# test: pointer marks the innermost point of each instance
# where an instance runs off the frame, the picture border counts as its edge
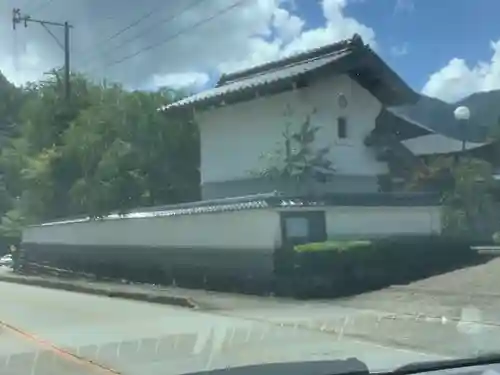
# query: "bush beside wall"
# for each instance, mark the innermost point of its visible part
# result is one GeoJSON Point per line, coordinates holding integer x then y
{"type": "Point", "coordinates": [359, 265]}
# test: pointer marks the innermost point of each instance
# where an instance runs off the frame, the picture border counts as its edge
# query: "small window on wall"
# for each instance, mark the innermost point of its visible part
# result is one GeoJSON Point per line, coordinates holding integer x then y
{"type": "Point", "coordinates": [303, 227]}
{"type": "Point", "coordinates": [297, 227]}
{"type": "Point", "coordinates": [341, 127]}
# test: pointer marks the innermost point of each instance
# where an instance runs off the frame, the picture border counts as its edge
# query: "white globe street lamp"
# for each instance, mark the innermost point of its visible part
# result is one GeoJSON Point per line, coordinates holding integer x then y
{"type": "Point", "coordinates": [462, 115]}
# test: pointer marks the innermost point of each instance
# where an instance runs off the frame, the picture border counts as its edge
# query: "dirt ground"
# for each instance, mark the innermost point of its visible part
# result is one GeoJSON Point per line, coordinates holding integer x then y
{"type": "Point", "coordinates": [446, 295]}
{"type": "Point", "coordinates": [455, 313]}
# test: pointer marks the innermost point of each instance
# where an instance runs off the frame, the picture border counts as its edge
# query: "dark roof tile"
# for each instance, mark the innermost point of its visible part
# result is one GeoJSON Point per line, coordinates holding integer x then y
{"type": "Point", "coordinates": [312, 54]}
{"type": "Point", "coordinates": [350, 56]}
{"type": "Point", "coordinates": [261, 79]}
{"type": "Point", "coordinates": [271, 201]}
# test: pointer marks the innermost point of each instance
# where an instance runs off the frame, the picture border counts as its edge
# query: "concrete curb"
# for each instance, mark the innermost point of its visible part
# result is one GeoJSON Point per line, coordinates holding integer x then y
{"type": "Point", "coordinates": [442, 292]}
{"type": "Point", "coordinates": [101, 291]}
{"type": "Point", "coordinates": [487, 250]}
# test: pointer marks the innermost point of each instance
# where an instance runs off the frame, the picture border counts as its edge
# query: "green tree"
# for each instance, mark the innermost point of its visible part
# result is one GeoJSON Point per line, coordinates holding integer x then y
{"type": "Point", "coordinates": [130, 154]}
{"type": "Point", "coordinates": [11, 99]}
{"type": "Point", "coordinates": [108, 149]}
{"type": "Point", "coordinates": [38, 173]}
{"type": "Point", "coordinates": [466, 187]}
{"type": "Point", "coordinates": [297, 159]}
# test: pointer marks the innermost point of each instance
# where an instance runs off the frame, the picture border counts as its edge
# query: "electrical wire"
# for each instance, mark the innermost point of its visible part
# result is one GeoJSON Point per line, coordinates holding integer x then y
{"type": "Point", "coordinates": [172, 37]}
{"type": "Point", "coordinates": [153, 26]}
{"type": "Point", "coordinates": [41, 4]}
{"type": "Point", "coordinates": [132, 25]}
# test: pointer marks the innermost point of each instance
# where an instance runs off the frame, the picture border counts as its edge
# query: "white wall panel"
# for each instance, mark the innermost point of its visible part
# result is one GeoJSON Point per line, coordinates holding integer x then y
{"type": "Point", "coordinates": [234, 137]}
{"type": "Point", "coordinates": [249, 229]}
{"type": "Point", "coordinates": [382, 221]}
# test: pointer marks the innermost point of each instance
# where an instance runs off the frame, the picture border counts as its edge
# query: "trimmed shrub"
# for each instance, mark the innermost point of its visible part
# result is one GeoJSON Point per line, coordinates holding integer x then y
{"type": "Point", "coordinates": [337, 246]}
{"type": "Point", "coordinates": [358, 265]}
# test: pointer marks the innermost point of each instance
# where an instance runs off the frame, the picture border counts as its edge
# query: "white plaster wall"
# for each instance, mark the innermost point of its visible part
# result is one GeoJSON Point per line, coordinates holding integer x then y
{"type": "Point", "coordinates": [234, 137]}
{"type": "Point", "coordinates": [382, 221]}
{"type": "Point", "coordinates": [250, 229]}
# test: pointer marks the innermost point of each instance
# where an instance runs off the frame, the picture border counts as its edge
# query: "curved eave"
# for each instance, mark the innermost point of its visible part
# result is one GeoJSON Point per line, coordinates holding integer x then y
{"type": "Point", "coordinates": [234, 97]}
{"type": "Point", "coordinates": [362, 65]}
{"type": "Point", "coordinates": [264, 84]}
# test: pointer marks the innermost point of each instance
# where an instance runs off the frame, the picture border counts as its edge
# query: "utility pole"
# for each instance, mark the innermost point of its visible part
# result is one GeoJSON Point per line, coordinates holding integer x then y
{"type": "Point", "coordinates": [18, 18]}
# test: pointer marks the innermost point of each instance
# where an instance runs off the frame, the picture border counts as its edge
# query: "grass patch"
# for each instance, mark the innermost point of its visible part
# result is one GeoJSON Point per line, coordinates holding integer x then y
{"type": "Point", "coordinates": [336, 246]}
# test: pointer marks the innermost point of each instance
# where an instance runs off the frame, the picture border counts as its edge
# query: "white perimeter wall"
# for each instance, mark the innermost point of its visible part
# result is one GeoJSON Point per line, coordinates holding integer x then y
{"type": "Point", "coordinates": [250, 229]}
{"type": "Point", "coordinates": [382, 221]}
{"type": "Point", "coordinates": [234, 137]}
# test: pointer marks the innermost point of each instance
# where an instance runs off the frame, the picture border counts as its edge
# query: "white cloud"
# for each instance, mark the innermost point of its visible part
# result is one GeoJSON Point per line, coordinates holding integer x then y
{"type": "Point", "coordinates": [399, 51]}
{"type": "Point", "coordinates": [407, 6]}
{"type": "Point", "coordinates": [255, 32]}
{"type": "Point", "coordinates": [457, 80]}
{"type": "Point", "coordinates": [23, 67]}
{"type": "Point", "coordinates": [194, 80]}
{"type": "Point", "coordinates": [337, 27]}
{"type": "Point", "coordinates": [288, 26]}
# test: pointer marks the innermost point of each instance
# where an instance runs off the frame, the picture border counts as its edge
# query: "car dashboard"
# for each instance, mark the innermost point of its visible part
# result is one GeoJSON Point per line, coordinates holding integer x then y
{"type": "Point", "coordinates": [345, 368]}
{"type": "Point", "coordinates": [490, 369]}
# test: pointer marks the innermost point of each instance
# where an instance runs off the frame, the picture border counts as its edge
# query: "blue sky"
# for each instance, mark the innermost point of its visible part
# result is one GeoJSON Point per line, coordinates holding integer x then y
{"type": "Point", "coordinates": [447, 49]}
{"type": "Point", "coordinates": [431, 31]}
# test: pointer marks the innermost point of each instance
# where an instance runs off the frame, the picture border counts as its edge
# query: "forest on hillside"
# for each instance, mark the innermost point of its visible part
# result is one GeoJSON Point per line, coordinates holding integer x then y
{"type": "Point", "coordinates": [106, 150]}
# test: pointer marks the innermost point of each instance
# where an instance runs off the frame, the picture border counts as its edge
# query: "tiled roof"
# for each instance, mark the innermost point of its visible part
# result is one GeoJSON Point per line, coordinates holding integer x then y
{"type": "Point", "coordinates": [349, 44]}
{"type": "Point", "coordinates": [402, 116]}
{"type": "Point", "coordinates": [262, 79]}
{"type": "Point", "coordinates": [435, 144]}
{"type": "Point", "coordinates": [360, 61]}
{"type": "Point", "coordinates": [272, 200]}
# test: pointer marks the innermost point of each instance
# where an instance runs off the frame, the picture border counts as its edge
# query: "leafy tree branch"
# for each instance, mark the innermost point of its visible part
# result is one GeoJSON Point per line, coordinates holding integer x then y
{"type": "Point", "coordinates": [296, 158]}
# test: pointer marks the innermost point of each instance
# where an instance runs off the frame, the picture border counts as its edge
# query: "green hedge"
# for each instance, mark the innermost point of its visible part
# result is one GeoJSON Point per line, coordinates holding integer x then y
{"type": "Point", "coordinates": [366, 264]}
{"type": "Point", "coordinates": [388, 253]}
{"type": "Point", "coordinates": [336, 246]}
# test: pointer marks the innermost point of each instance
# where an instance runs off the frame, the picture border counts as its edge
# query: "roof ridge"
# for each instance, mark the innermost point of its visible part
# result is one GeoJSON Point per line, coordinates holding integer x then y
{"type": "Point", "coordinates": [292, 64]}
{"type": "Point", "coordinates": [355, 41]}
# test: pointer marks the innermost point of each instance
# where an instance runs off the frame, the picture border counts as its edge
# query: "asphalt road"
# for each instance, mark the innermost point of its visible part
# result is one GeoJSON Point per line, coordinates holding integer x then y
{"type": "Point", "coordinates": [51, 332]}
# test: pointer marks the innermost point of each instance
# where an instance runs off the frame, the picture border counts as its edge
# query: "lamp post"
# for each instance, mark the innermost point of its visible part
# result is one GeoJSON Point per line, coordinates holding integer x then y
{"type": "Point", "coordinates": [462, 115]}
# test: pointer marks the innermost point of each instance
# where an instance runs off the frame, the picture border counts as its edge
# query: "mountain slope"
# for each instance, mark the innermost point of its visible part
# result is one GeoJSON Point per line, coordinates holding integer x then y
{"type": "Point", "coordinates": [438, 115]}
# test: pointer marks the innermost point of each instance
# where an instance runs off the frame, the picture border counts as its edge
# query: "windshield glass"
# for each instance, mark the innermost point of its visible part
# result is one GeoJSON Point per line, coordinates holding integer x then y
{"type": "Point", "coordinates": [195, 185]}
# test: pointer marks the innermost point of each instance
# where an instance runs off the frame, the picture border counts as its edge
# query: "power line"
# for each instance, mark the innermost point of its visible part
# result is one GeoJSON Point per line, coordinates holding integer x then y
{"type": "Point", "coordinates": [24, 19]}
{"type": "Point", "coordinates": [155, 25]}
{"type": "Point", "coordinates": [41, 4]}
{"type": "Point", "coordinates": [171, 37]}
{"type": "Point", "coordinates": [133, 24]}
